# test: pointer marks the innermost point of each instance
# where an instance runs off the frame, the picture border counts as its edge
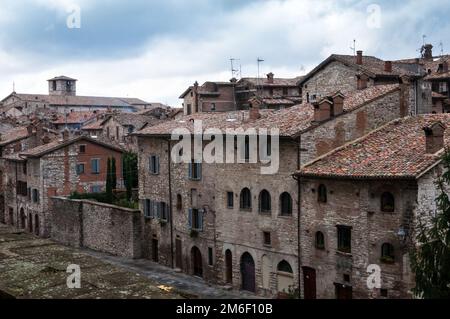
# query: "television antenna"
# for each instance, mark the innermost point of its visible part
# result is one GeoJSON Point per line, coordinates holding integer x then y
{"type": "Point", "coordinates": [441, 45]}
{"type": "Point", "coordinates": [354, 47]}
{"type": "Point", "coordinates": [258, 84]}
{"type": "Point", "coordinates": [235, 73]}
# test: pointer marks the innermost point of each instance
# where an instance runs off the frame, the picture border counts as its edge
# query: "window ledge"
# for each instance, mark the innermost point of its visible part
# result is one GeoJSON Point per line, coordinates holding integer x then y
{"type": "Point", "coordinates": [266, 213]}
{"type": "Point", "coordinates": [285, 216]}
{"type": "Point", "coordinates": [344, 254]}
{"type": "Point", "coordinates": [246, 209]}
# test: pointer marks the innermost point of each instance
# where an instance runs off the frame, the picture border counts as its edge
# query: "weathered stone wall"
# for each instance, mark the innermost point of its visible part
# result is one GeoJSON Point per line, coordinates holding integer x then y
{"type": "Point", "coordinates": [356, 204]}
{"type": "Point", "coordinates": [97, 226]}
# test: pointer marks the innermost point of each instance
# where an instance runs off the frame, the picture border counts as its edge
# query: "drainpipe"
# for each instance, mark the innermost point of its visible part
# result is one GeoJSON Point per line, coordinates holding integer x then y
{"type": "Point", "coordinates": [170, 204]}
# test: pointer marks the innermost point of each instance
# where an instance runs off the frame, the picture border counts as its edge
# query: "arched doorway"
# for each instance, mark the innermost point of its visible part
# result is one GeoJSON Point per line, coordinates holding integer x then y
{"type": "Point", "coordinates": [23, 218]}
{"type": "Point", "coordinates": [36, 224]}
{"type": "Point", "coordinates": [285, 277]}
{"type": "Point", "coordinates": [229, 266]}
{"type": "Point", "coordinates": [197, 263]}
{"type": "Point", "coordinates": [30, 222]}
{"type": "Point", "coordinates": [248, 272]}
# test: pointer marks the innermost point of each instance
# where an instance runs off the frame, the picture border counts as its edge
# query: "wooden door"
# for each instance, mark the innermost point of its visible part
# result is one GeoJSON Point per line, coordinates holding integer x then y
{"type": "Point", "coordinates": [343, 291]}
{"type": "Point", "coordinates": [155, 256]}
{"type": "Point", "coordinates": [228, 266]}
{"type": "Point", "coordinates": [248, 273]}
{"type": "Point", "coordinates": [179, 254]}
{"type": "Point", "coordinates": [197, 261]}
{"type": "Point", "coordinates": [309, 283]}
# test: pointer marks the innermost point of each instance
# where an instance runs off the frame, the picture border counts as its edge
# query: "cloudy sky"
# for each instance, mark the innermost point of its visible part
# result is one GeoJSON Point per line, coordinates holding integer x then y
{"type": "Point", "coordinates": [154, 49]}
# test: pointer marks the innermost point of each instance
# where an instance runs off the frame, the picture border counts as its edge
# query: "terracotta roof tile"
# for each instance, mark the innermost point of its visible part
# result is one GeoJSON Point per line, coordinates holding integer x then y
{"type": "Point", "coordinates": [14, 135]}
{"type": "Point", "coordinates": [396, 150]}
{"type": "Point", "coordinates": [290, 121]}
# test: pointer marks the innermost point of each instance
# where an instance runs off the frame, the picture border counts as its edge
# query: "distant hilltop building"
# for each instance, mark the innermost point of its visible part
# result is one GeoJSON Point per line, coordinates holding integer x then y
{"type": "Point", "coordinates": [62, 98]}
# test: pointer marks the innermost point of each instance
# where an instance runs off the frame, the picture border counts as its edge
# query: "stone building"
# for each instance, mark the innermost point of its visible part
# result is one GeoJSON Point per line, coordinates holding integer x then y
{"type": "Point", "coordinates": [275, 93]}
{"type": "Point", "coordinates": [57, 168]}
{"type": "Point", "coordinates": [62, 98]}
{"type": "Point", "coordinates": [359, 206]}
{"type": "Point", "coordinates": [349, 73]}
{"type": "Point", "coordinates": [228, 223]}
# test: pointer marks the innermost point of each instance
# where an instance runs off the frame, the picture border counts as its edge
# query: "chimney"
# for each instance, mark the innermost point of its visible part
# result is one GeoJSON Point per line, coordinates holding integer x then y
{"type": "Point", "coordinates": [322, 110]}
{"type": "Point", "coordinates": [338, 104]}
{"type": "Point", "coordinates": [434, 137]}
{"type": "Point", "coordinates": [233, 80]}
{"type": "Point", "coordinates": [270, 77]}
{"type": "Point", "coordinates": [359, 58]}
{"type": "Point", "coordinates": [30, 129]}
{"type": "Point", "coordinates": [362, 80]}
{"type": "Point", "coordinates": [427, 52]}
{"type": "Point", "coordinates": [445, 66]}
{"type": "Point", "coordinates": [45, 139]}
{"type": "Point", "coordinates": [388, 66]}
{"type": "Point", "coordinates": [65, 134]}
{"type": "Point", "coordinates": [254, 109]}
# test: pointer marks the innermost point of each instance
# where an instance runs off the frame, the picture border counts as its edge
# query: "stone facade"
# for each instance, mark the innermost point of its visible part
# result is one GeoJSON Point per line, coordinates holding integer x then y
{"type": "Point", "coordinates": [234, 236]}
{"type": "Point", "coordinates": [101, 227]}
{"type": "Point", "coordinates": [52, 174]}
{"type": "Point", "coordinates": [356, 204]}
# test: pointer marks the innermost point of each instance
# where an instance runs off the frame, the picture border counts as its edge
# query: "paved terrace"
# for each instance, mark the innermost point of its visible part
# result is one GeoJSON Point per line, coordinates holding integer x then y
{"type": "Point", "coordinates": [32, 267]}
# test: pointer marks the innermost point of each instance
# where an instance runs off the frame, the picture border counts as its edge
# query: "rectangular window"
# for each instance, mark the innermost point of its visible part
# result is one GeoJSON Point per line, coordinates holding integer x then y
{"type": "Point", "coordinates": [148, 208]}
{"type": "Point", "coordinates": [267, 239]}
{"type": "Point", "coordinates": [195, 171]}
{"type": "Point", "coordinates": [210, 256]}
{"type": "Point", "coordinates": [82, 148]}
{"type": "Point", "coordinates": [195, 219]}
{"type": "Point", "coordinates": [285, 92]}
{"type": "Point", "coordinates": [153, 164]}
{"type": "Point", "coordinates": [24, 168]}
{"type": "Point", "coordinates": [96, 189]}
{"type": "Point", "coordinates": [95, 166]}
{"type": "Point", "coordinates": [230, 199]}
{"type": "Point", "coordinates": [117, 132]}
{"type": "Point", "coordinates": [344, 239]}
{"type": "Point", "coordinates": [35, 195]}
{"type": "Point", "coordinates": [80, 169]}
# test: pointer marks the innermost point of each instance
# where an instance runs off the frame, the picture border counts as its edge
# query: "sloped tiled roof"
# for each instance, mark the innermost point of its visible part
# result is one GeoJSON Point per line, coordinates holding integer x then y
{"type": "Point", "coordinates": [276, 81]}
{"type": "Point", "coordinates": [75, 117]}
{"type": "Point", "coordinates": [13, 135]}
{"type": "Point", "coordinates": [55, 145]}
{"type": "Point", "coordinates": [396, 150]}
{"type": "Point", "coordinates": [290, 121]}
{"type": "Point", "coordinates": [370, 64]}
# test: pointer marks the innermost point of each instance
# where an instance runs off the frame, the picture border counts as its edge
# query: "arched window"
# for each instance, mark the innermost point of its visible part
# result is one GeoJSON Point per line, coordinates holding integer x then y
{"type": "Point", "coordinates": [286, 204]}
{"type": "Point", "coordinates": [322, 194]}
{"type": "Point", "coordinates": [284, 267]}
{"type": "Point", "coordinates": [387, 252]}
{"type": "Point", "coordinates": [387, 202]}
{"type": "Point", "coordinates": [179, 202]}
{"type": "Point", "coordinates": [265, 204]}
{"type": "Point", "coordinates": [246, 199]}
{"type": "Point", "coordinates": [320, 240]}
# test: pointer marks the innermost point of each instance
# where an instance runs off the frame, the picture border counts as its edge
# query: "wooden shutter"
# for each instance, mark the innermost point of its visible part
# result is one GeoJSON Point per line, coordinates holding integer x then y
{"type": "Point", "coordinates": [190, 170]}
{"type": "Point", "coordinates": [157, 164]}
{"type": "Point", "coordinates": [190, 218]}
{"type": "Point", "coordinates": [200, 214]}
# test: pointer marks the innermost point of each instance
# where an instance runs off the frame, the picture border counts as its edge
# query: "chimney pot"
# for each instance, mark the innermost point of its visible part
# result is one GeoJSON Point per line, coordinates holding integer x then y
{"type": "Point", "coordinates": [359, 57]}
{"type": "Point", "coordinates": [434, 138]}
{"type": "Point", "coordinates": [388, 66]}
{"type": "Point", "coordinates": [270, 77]}
{"type": "Point", "coordinates": [338, 104]}
{"type": "Point", "coordinates": [254, 109]}
{"type": "Point", "coordinates": [322, 110]}
{"type": "Point", "coordinates": [427, 52]}
{"type": "Point", "coordinates": [65, 134]}
{"type": "Point", "coordinates": [362, 82]}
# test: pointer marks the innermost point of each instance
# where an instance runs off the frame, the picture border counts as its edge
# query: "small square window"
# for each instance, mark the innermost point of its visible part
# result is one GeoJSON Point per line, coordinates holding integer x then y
{"type": "Point", "coordinates": [230, 199]}
{"type": "Point", "coordinates": [82, 148]}
{"type": "Point", "coordinates": [347, 278]}
{"type": "Point", "coordinates": [344, 239]}
{"type": "Point", "coordinates": [384, 293]}
{"type": "Point", "coordinates": [267, 239]}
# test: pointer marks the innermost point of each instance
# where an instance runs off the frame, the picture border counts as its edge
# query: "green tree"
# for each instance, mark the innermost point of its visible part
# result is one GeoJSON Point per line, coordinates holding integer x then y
{"type": "Point", "coordinates": [113, 173]}
{"type": "Point", "coordinates": [130, 172]}
{"type": "Point", "coordinates": [430, 260]}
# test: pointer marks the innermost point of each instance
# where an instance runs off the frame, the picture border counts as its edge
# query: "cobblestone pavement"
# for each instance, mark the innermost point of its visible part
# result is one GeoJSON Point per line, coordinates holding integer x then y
{"type": "Point", "coordinates": [36, 268]}
{"type": "Point", "coordinates": [186, 285]}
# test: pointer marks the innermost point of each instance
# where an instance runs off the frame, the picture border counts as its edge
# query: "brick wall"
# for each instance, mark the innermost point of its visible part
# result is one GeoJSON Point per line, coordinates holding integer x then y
{"type": "Point", "coordinates": [101, 227]}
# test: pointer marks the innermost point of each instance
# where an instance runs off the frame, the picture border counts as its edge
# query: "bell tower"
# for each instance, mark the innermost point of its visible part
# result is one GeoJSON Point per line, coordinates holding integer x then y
{"type": "Point", "coordinates": [62, 85]}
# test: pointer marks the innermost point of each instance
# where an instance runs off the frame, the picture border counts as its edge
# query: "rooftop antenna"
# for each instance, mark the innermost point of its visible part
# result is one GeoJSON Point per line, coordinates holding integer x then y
{"type": "Point", "coordinates": [234, 72]}
{"type": "Point", "coordinates": [441, 45]}
{"type": "Point", "coordinates": [424, 36]}
{"type": "Point", "coordinates": [14, 86]}
{"type": "Point", "coordinates": [354, 47]}
{"type": "Point", "coordinates": [259, 61]}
